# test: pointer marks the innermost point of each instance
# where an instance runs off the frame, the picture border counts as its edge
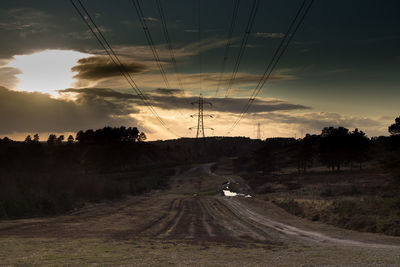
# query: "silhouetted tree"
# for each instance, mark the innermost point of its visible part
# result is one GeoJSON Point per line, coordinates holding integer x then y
{"type": "Point", "coordinates": [392, 163]}
{"type": "Point", "coordinates": [5, 140]}
{"type": "Point", "coordinates": [142, 137]}
{"type": "Point", "coordinates": [274, 154]}
{"type": "Point", "coordinates": [60, 139]}
{"type": "Point", "coordinates": [358, 147]}
{"type": "Point", "coordinates": [394, 129]}
{"type": "Point", "coordinates": [28, 139]}
{"type": "Point", "coordinates": [70, 139]}
{"type": "Point", "coordinates": [333, 148]}
{"type": "Point", "coordinates": [36, 138]}
{"type": "Point", "coordinates": [52, 139]}
{"type": "Point", "coordinates": [109, 135]}
{"type": "Point", "coordinates": [305, 152]}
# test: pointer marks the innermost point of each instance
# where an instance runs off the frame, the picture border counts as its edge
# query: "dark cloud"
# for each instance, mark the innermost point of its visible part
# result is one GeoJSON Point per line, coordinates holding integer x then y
{"type": "Point", "coordinates": [229, 105]}
{"type": "Point", "coordinates": [174, 101]}
{"type": "Point", "coordinates": [315, 121]}
{"type": "Point", "coordinates": [235, 105]}
{"type": "Point", "coordinates": [99, 92]}
{"type": "Point", "coordinates": [166, 91]}
{"type": "Point", "coordinates": [99, 67]}
{"type": "Point", "coordinates": [37, 112]}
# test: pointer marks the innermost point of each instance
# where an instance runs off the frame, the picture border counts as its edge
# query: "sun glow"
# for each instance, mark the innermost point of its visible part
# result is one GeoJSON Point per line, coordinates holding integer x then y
{"type": "Point", "coordinates": [46, 71]}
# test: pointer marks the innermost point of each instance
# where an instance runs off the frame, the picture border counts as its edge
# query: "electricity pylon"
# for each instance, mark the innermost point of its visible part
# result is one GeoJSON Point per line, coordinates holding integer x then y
{"type": "Point", "coordinates": [258, 131]}
{"type": "Point", "coordinates": [200, 117]}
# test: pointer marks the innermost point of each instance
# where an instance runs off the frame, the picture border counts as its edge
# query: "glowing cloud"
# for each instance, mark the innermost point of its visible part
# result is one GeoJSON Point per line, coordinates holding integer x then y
{"type": "Point", "coordinates": [46, 71]}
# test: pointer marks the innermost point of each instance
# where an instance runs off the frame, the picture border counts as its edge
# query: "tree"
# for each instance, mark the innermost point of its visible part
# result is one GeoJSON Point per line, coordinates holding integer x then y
{"type": "Point", "coordinates": [393, 161]}
{"type": "Point", "coordinates": [358, 147]}
{"type": "Point", "coordinates": [60, 139]}
{"type": "Point", "coordinates": [28, 139]}
{"type": "Point", "coordinates": [333, 147]}
{"type": "Point", "coordinates": [52, 139]}
{"type": "Point", "coordinates": [109, 135]}
{"type": "Point", "coordinates": [70, 139]}
{"type": "Point", "coordinates": [142, 137]}
{"type": "Point", "coordinates": [36, 138]}
{"type": "Point", "coordinates": [394, 129]}
{"type": "Point", "coordinates": [305, 152]}
{"type": "Point", "coordinates": [273, 155]}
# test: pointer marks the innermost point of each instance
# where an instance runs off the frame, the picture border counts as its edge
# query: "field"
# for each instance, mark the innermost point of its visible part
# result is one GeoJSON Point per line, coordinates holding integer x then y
{"type": "Point", "coordinates": [190, 223]}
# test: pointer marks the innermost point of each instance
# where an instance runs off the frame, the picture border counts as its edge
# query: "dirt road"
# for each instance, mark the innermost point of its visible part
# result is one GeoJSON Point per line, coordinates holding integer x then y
{"type": "Point", "coordinates": [191, 212]}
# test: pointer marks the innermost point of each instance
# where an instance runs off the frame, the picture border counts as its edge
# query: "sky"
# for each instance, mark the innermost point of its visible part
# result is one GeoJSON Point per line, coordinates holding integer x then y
{"type": "Point", "coordinates": [340, 69]}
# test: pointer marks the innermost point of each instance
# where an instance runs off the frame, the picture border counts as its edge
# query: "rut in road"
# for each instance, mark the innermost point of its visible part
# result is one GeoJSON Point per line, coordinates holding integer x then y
{"type": "Point", "coordinates": [206, 219]}
{"type": "Point", "coordinates": [226, 219]}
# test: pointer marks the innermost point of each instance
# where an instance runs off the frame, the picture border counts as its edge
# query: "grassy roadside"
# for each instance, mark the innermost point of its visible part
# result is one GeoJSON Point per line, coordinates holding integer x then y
{"type": "Point", "coordinates": [366, 214]}
{"type": "Point", "coordinates": [24, 200]}
{"type": "Point", "coordinates": [46, 252]}
{"type": "Point", "coordinates": [366, 201]}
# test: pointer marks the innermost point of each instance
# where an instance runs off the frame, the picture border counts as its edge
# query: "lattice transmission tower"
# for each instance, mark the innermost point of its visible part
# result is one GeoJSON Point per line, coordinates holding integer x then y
{"type": "Point", "coordinates": [200, 117]}
{"type": "Point", "coordinates": [258, 131]}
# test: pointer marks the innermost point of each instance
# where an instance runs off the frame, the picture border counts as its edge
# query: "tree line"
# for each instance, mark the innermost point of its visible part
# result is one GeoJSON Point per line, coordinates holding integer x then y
{"type": "Point", "coordinates": [40, 178]}
{"type": "Point", "coordinates": [50, 177]}
{"type": "Point", "coordinates": [333, 148]}
{"type": "Point", "coordinates": [104, 135]}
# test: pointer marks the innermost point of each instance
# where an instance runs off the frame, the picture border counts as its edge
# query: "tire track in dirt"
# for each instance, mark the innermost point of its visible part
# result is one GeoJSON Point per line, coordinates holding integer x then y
{"type": "Point", "coordinates": [241, 226]}
{"type": "Point", "coordinates": [159, 219]}
{"type": "Point", "coordinates": [162, 226]}
{"type": "Point", "coordinates": [186, 225]}
{"type": "Point", "coordinates": [207, 219]}
{"type": "Point", "coordinates": [294, 232]}
{"type": "Point", "coordinates": [233, 225]}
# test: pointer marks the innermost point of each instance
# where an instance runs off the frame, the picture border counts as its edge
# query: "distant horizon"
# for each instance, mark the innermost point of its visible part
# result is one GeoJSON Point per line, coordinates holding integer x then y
{"type": "Point", "coordinates": [22, 136]}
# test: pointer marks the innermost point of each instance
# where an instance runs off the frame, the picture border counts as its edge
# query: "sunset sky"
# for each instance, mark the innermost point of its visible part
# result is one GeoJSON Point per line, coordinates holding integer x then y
{"type": "Point", "coordinates": [342, 67]}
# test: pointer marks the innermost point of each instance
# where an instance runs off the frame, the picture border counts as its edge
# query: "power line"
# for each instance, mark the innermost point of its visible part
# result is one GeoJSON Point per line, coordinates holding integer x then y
{"type": "Point", "coordinates": [200, 116]}
{"type": "Point", "coordinates": [276, 57]}
{"type": "Point", "coordinates": [169, 43]}
{"type": "Point", "coordinates": [150, 42]}
{"type": "Point", "coordinates": [228, 42]}
{"type": "Point", "coordinates": [149, 39]}
{"type": "Point", "coordinates": [247, 32]}
{"type": "Point", "coordinates": [199, 50]}
{"type": "Point", "coordinates": [115, 59]}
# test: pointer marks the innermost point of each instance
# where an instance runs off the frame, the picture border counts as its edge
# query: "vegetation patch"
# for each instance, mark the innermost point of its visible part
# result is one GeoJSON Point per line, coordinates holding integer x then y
{"type": "Point", "coordinates": [41, 179]}
{"type": "Point", "coordinates": [371, 214]}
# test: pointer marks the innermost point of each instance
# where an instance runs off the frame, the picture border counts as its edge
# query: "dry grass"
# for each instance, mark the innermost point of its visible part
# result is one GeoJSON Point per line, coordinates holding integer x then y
{"type": "Point", "coordinates": [29, 251]}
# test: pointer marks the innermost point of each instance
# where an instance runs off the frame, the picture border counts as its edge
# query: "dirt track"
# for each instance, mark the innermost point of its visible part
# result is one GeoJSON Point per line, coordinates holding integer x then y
{"type": "Point", "coordinates": [180, 214]}
{"type": "Point", "coordinates": [190, 224]}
